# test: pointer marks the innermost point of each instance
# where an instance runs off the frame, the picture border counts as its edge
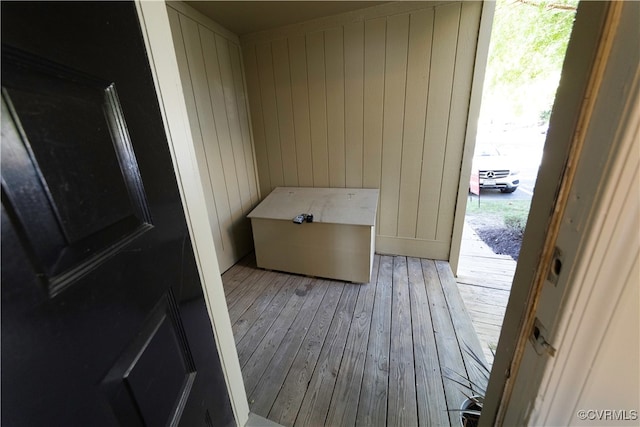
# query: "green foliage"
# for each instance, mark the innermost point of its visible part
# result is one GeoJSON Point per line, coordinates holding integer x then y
{"type": "Point", "coordinates": [474, 391]}
{"type": "Point", "coordinates": [513, 213]}
{"type": "Point", "coordinates": [528, 43]}
{"type": "Point", "coordinates": [515, 222]}
{"type": "Point", "coordinates": [499, 207]}
{"type": "Point", "coordinates": [545, 115]}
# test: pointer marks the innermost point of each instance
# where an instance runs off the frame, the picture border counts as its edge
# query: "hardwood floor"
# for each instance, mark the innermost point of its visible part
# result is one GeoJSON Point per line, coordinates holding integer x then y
{"type": "Point", "coordinates": [322, 352]}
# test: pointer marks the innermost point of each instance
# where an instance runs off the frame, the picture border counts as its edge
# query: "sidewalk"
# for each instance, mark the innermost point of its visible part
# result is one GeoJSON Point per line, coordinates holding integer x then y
{"type": "Point", "coordinates": [484, 280]}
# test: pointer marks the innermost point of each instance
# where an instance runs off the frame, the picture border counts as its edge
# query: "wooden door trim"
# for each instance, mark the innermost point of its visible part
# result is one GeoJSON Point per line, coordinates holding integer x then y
{"type": "Point", "coordinates": [154, 23]}
{"type": "Point", "coordinates": [497, 409]}
{"type": "Point", "coordinates": [610, 252]}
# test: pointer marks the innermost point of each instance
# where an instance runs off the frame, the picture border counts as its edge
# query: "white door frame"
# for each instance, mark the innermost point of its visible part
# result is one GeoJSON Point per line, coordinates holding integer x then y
{"type": "Point", "coordinates": [154, 23]}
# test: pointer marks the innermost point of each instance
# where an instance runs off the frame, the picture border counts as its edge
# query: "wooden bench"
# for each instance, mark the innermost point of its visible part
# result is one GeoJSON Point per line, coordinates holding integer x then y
{"type": "Point", "coordinates": [338, 244]}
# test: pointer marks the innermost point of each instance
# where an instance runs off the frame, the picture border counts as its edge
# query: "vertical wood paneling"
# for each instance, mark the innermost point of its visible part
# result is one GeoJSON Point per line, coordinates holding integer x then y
{"type": "Point", "coordinates": [270, 113]}
{"type": "Point", "coordinates": [438, 105]}
{"type": "Point", "coordinates": [285, 111]}
{"type": "Point", "coordinates": [204, 110]}
{"type": "Point", "coordinates": [216, 96]}
{"type": "Point", "coordinates": [379, 102]}
{"type": "Point", "coordinates": [243, 118]}
{"type": "Point", "coordinates": [213, 84]}
{"type": "Point", "coordinates": [257, 119]}
{"type": "Point", "coordinates": [235, 148]}
{"type": "Point", "coordinates": [194, 124]}
{"type": "Point", "coordinates": [465, 57]}
{"type": "Point", "coordinates": [394, 95]}
{"type": "Point", "coordinates": [334, 57]}
{"type": "Point", "coordinates": [374, 58]}
{"type": "Point", "coordinates": [231, 110]}
{"type": "Point", "coordinates": [354, 99]}
{"type": "Point", "coordinates": [318, 108]}
{"type": "Point", "coordinates": [421, 28]}
{"type": "Point", "coordinates": [300, 93]}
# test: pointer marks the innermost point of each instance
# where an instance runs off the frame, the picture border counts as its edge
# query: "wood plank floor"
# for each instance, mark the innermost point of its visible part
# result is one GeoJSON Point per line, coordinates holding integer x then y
{"type": "Point", "coordinates": [484, 282]}
{"type": "Point", "coordinates": [322, 352]}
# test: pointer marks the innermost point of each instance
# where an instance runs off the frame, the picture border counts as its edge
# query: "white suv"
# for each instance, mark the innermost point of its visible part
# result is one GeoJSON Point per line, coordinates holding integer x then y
{"type": "Point", "coordinates": [495, 170]}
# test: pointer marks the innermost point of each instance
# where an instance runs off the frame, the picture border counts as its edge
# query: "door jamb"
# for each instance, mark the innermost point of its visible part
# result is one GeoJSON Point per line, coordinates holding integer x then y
{"type": "Point", "coordinates": [513, 343]}
{"type": "Point", "coordinates": [154, 23]}
{"type": "Point", "coordinates": [603, 273]}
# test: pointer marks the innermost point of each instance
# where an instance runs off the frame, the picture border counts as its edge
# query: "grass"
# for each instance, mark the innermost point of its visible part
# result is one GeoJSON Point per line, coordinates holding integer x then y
{"type": "Point", "coordinates": [514, 211]}
{"type": "Point", "coordinates": [500, 207]}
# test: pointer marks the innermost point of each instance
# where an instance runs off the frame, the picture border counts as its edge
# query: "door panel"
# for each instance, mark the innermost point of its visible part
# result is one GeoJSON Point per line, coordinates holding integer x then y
{"type": "Point", "coordinates": [103, 317]}
{"type": "Point", "coordinates": [156, 372]}
{"type": "Point", "coordinates": [69, 131]}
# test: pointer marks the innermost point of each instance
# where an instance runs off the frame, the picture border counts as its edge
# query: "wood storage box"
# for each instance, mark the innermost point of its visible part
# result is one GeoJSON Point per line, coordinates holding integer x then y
{"type": "Point", "coordinates": [338, 244]}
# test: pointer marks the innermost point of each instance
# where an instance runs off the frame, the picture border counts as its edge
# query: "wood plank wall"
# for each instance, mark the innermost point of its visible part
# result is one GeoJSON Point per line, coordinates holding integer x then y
{"type": "Point", "coordinates": [370, 100]}
{"type": "Point", "coordinates": [211, 69]}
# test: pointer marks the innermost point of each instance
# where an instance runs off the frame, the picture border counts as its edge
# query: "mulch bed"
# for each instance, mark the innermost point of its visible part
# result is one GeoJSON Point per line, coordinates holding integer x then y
{"type": "Point", "coordinates": [502, 240]}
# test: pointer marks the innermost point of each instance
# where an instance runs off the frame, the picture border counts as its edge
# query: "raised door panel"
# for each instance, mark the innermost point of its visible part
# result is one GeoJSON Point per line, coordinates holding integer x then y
{"type": "Point", "coordinates": [103, 316]}
{"type": "Point", "coordinates": [69, 172]}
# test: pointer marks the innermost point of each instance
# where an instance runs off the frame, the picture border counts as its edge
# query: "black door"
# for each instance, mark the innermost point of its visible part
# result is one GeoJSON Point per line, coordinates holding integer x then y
{"type": "Point", "coordinates": [103, 318]}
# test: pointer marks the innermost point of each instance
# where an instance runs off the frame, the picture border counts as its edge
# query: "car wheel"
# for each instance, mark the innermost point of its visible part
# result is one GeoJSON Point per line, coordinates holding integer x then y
{"type": "Point", "coordinates": [508, 190]}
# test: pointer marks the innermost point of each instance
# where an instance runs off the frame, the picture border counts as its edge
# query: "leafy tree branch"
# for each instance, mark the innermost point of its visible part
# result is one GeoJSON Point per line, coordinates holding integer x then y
{"type": "Point", "coordinates": [528, 43]}
{"type": "Point", "coordinates": [556, 6]}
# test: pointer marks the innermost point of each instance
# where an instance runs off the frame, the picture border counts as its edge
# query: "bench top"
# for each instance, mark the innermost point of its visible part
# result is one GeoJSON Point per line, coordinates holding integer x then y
{"type": "Point", "coordinates": [352, 206]}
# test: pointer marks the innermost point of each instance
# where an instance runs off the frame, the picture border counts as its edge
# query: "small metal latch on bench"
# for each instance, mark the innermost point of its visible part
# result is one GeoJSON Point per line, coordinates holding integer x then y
{"type": "Point", "coordinates": [302, 218]}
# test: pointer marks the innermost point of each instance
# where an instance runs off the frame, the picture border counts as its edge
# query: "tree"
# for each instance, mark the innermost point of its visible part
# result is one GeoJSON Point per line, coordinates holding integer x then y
{"type": "Point", "coordinates": [528, 43]}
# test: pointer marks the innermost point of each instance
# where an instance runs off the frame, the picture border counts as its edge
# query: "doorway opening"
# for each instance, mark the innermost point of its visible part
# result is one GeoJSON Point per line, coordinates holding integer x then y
{"type": "Point", "coordinates": [526, 54]}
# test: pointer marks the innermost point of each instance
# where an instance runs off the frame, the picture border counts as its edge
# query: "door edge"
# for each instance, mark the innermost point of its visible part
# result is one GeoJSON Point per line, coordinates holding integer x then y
{"type": "Point", "coordinates": [154, 23]}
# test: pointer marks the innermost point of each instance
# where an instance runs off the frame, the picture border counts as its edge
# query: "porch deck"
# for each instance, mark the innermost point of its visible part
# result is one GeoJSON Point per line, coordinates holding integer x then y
{"type": "Point", "coordinates": [484, 281]}
{"type": "Point", "coordinates": [323, 352]}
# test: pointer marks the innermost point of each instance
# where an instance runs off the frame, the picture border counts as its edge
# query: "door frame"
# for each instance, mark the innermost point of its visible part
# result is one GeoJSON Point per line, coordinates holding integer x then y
{"type": "Point", "coordinates": [562, 211]}
{"type": "Point", "coordinates": [599, 325]}
{"type": "Point", "coordinates": [154, 23]}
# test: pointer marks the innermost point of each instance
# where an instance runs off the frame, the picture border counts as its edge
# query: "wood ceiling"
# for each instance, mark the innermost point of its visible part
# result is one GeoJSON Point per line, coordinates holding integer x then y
{"type": "Point", "coordinates": [245, 17]}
